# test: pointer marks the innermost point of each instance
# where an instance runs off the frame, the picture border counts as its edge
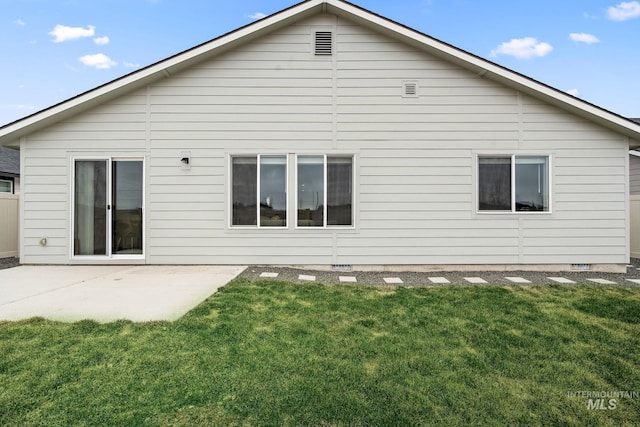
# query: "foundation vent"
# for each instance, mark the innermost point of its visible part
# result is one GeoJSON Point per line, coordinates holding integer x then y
{"type": "Point", "coordinates": [324, 42]}
{"type": "Point", "coordinates": [581, 267]}
{"type": "Point", "coordinates": [341, 267]}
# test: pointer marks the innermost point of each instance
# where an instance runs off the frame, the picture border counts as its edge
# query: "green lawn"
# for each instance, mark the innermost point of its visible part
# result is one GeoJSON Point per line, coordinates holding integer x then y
{"type": "Point", "coordinates": [275, 353]}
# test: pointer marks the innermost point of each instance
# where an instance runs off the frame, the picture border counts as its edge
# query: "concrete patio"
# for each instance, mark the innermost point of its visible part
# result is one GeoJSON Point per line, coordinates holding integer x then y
{"type": "Point", "coordinates": [108, 293]}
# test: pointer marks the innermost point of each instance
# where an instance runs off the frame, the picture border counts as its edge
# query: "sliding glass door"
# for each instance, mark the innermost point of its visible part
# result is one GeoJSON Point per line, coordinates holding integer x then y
{"type": "Point", "coordinates": [90, 208]}
{"type": "Point", "coordinates": [126, 207]}
{"type": "Point", "coordinates": [108, 207]}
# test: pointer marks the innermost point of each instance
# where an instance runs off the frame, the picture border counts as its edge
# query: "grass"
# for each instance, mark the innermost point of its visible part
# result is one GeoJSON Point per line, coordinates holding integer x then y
{"type": "Point", "coordinates": [275, 353]}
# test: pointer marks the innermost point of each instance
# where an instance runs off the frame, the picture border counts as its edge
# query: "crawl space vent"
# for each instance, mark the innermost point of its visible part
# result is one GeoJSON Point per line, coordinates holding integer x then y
{"type": "Point", "coordinates": [581, 267]}
{"type": "Point", "coordinates": [324, 42]}
{"type": "Point", "coordinates": [341, 267]}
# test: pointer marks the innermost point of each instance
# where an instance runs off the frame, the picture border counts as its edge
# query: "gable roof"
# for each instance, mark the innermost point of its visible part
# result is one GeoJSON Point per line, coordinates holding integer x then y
{"type": "Point", "coordinates": [9, 162]}
{"type": "Point", "coordinates": [10, 133]}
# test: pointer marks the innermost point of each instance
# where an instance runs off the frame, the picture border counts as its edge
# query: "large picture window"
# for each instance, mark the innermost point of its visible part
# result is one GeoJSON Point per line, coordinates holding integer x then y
{"type": "Point", "coordinates": [513, 183]}
{"type": "Point", "coordinates": [324, 191]}
{"type": "Point", "coordinates": [259, 191]}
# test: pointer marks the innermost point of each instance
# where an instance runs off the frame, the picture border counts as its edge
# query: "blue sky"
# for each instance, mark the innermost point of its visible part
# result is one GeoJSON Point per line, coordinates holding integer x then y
{"type": "Point", "coordinates": [51, 50]}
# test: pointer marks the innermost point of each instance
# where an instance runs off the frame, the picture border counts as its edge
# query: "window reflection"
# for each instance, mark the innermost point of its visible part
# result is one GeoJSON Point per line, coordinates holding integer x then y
{"type": "Point", "coordinates": [310, 191]}
{"type": "Point", "coordinates": [244, 176]}
{"type": "Point", "coordinates": [273, 191]}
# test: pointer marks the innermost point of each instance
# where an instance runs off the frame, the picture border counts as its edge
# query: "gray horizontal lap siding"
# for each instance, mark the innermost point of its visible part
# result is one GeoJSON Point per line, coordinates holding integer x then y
{"type": "Point", "coordinates": [116, 127]}
{"type": "Point", "coordinates": [415, 183]}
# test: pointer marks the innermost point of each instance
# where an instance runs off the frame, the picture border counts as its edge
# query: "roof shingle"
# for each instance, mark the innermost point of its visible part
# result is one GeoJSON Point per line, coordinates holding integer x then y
{"type": "Point", "coordinates": [9, 162]}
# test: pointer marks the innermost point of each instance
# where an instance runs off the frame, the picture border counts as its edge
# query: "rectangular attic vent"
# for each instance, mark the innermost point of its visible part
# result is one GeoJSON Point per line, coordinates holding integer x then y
{"type": "Point", "coordinates": [410, 89]}
{"type": "Point", "coordinates": [324, 43]}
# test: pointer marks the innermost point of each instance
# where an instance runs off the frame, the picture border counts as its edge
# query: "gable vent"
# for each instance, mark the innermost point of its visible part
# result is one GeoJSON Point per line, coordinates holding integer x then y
{"type": "Point", "coordinates": [324, 42]}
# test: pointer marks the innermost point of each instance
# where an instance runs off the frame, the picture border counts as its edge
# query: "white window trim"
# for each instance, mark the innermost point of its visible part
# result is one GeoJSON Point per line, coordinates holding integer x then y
{"type": "Point", "coordinates": [292, 201]}
{"type": "Point", "coordinates": [513, 186]}
{"type": "Point", "coordinates": [11, 185]}
{"type": "Point", "coordinates": [109, 256]}
{"type": "Point", "coordinates": [325, 226]}
{"type": "Point", "coordinates": [230, 187]}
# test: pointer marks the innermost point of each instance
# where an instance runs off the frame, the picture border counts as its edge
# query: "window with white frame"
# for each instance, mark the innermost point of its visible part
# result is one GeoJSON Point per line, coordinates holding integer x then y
{"type": "Point", "coordinates": [259, 191]}
{"type": "Point", "coordinates": [513, 183]}
{"type": "Point", "coordinates": [324, 191]}
{"type": "Point", "coordinates": [6, 186]}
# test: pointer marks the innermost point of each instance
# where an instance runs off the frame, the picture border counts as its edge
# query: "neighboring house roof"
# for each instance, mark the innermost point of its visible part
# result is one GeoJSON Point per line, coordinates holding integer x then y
{"type": "Point", "coordinates": [10, 133]}
{"type": "Point", "coordinates": [9, 162]}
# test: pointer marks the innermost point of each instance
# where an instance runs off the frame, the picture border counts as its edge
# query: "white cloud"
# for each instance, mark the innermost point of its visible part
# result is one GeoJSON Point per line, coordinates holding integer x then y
{"type": "Point", "coordinates": [624, 11]}
{"type": "Point", "coordinates": [99, 61]}
{"type": "Point", "coordinates": [584, 38]}
{"type": "Point", "coordinates": [130, 64]}
{"type": "Point", "coordinates": [101, 40]}
{"type": "Point", "coordinates": [574, 92]}
{"type": "Point", "coordinates": [524, 48]}
{"type": "Point", "coordinates": [62, 33]}
{"type": "Point", "coordinates": [19, 22]}
{"type": "Point", "coordinates": [21, 107]}
{"type": "Point", "coordinates": [257, 15]}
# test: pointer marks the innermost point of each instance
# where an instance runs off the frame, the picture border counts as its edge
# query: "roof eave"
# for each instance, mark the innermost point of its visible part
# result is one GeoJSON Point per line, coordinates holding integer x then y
{"type": "Point", "coordinates": [490, 70]}
{"type": "Point", "coordinates": [11, 133]}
